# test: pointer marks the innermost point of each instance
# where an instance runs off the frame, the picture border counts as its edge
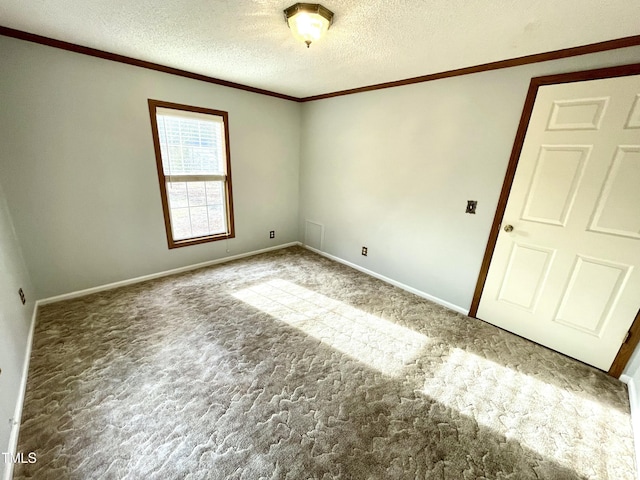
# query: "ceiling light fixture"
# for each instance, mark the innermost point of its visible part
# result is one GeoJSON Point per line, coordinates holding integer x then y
{"type": "Point", "coordinates": [308, 21]}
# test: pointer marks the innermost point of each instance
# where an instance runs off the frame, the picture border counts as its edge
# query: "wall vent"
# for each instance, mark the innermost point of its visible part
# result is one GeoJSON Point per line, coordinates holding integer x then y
{"type": "Point", "coordinates": [313, 234]}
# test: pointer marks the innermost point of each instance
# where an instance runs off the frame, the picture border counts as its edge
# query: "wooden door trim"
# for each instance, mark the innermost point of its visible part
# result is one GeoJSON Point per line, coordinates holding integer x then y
{"type": "Point", "coordinates": [628, 347]}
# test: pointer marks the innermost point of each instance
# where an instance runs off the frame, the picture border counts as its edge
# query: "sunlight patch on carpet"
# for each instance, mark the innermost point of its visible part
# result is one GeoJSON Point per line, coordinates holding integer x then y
{"type": "Point", "coordinates": [537, 416]}
{"type": "Point", "coordinates": [372, 340]}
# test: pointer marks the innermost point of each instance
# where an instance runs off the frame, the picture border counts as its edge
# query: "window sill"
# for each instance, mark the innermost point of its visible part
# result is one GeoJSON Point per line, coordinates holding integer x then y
{"type": "Point", "coordinates": [199, 240]}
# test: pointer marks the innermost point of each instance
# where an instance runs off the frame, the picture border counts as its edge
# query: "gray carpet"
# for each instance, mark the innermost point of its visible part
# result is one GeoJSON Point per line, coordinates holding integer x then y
{"type": "Point", "coordinates": [289, 366]}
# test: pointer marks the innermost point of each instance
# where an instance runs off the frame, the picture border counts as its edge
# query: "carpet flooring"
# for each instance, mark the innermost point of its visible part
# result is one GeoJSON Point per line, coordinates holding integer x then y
{"type": "Point", "coordinates": [289, 366]}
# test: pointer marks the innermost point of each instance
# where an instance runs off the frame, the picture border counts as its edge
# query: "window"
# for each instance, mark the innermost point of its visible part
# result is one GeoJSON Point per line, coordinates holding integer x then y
{"type": "Point", "coordinates": [192, 156]}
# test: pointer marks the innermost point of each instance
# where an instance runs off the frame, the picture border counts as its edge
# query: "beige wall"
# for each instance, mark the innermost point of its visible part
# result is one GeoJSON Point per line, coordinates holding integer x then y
{"type": "Point", "coordinates": [15, 320]}
{"type": "Point", "coordinates": [82, 186]}
{"type": "Point", "coordinates": [393, 169]}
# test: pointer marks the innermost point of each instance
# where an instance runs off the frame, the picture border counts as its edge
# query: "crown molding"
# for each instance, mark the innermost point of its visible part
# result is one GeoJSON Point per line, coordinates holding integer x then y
{"type": "Point", "coordinates": [485, 67]}
{"type": "Point", "coordinates": [615, 44]}
{"type": "Point", "coordinates": [93, 52]}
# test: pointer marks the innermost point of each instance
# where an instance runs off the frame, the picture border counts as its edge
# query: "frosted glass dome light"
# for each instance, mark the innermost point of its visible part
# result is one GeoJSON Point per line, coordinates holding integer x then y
{"type": "Point", "coordinates": [308, 21]}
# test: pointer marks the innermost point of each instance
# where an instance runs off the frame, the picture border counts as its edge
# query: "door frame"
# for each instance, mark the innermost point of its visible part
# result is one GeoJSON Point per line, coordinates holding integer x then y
{"type": "Point", "coordinates": [628, 346]}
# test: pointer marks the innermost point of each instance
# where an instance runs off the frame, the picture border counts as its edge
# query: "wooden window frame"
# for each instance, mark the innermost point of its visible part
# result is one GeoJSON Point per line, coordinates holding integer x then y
{"type": "Point", "coordinates": [162, 178]}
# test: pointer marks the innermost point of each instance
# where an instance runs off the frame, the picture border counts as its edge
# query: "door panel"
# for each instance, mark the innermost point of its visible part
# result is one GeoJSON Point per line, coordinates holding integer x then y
{"type": "Point", "coordinates": [580, 114]}
{"type": "Point", "coordinates": [617, 209]}
{"type": "Point", "coordinates": [568, 274]}
{"type": "Point", "coordinates": [634, 115]}
{"type": "Point", "coordinates": [525, 275]}
{"type": "Point", "coordinates": [555, 180]}
{"type": "Point", "coordinates": [592, 294]}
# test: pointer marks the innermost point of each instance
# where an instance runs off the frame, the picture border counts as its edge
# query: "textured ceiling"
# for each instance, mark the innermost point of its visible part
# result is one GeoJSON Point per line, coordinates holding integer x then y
{"type": "Point", "coordinates": [372, 41]}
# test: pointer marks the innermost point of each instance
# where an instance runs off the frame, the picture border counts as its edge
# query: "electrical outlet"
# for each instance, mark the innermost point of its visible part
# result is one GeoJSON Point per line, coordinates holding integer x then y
{"type": "Point", "coordinates": [272, 234]}
{"type": "Point", "coordinates": [471, 206]}
{"type": "Point", "coordinates": [22, 297]}
{"type": "Point", "coordinates": [364, 251]}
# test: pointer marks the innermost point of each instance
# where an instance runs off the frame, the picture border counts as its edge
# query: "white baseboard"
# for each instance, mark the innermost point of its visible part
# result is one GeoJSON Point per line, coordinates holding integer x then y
{"type": "Point", "coordinates": [17, 415]}
{"type": "Point", "coordinates": [122, 283]}
{"type": "Point", "coordinates": [415, 291]}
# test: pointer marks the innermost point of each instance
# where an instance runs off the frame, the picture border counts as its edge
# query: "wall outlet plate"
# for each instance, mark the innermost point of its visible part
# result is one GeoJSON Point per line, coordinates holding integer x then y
{"type": "Point", "coordinates": [22, 297]}
{"type": "Point", "coordinates": [364, 251]}
{"type": "Point", "coordinates": [272, 234]}
{"type": "Point", "coordinates": [471, 206]}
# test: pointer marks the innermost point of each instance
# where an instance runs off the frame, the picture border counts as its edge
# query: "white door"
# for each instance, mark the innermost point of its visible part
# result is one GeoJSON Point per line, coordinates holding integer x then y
{"type": "Point", "coordinates": [567, 275]}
